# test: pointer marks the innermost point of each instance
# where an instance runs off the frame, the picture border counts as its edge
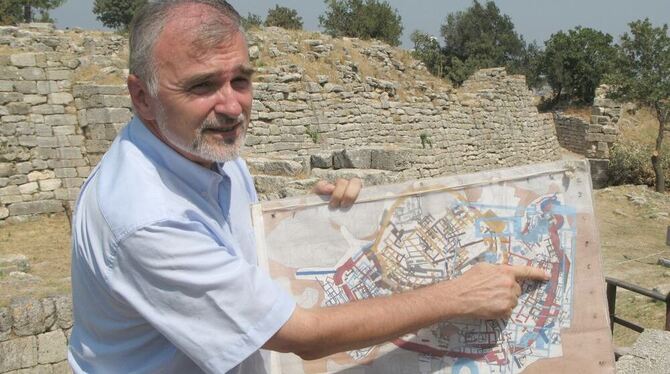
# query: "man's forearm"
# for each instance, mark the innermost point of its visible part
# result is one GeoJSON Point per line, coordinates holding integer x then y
{"type": "Point", "coordinates": [319, 332]}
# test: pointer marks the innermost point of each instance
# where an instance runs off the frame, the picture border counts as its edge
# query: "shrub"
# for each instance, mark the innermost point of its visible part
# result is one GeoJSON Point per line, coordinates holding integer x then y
{"type": "Point", "coordinates": [629, 164]}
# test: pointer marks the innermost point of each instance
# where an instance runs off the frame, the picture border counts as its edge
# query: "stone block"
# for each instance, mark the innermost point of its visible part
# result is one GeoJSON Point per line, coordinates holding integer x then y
{"type": "Point", "coordinates": [321, 160]}
{"type": "Point", "coordinates": [9, 97]}
{"type": "Point", "coordinates": [23, 59]}
{"type": "Point", "coordinates": [51, 347]}
{"type": "Point", "coordinates": [28, 188]}
{"type": "Point", "coordinates": [89, 90]}
{"type": "Point", "coordinates": [65, 172]}
{"type": "Point", "coordinates": [49, 309]}
{"type": "Point", "coordinates": [60, 98]}
{"type": "Point", "coordinates": [27, 312]}
{"type": "Point", "coordinates": [6, 86]}
{"type": "Point", "coordinates": [274, 167]}
{"type": "Point", "coordinates": [352, 159]}
{"type": "Point", "coordinates": [64, 311]}
{"type": "Point", "coordinates": [28, 141]}
{"type": "Point", "coordinates": [34, 99]}
{"type": "Point", "coordinates": [72, 182]}
{"type": "Point", "coordinates": [650, 354]}
{"type": "Point", "coordinates": [48, 109]}
{"type": "Point", "coordinates": [18, 179]}
{"type": "Point", "coordinates": [6, 169]}
{"type": "Point", "coordinates": [59, 74]}
{"type": "Point", "coordinates": [57, 120]}
{"type": "Point", "coordinates": [66, 130]}
{"type": "Point", "coordinates": [107, 115]}
{"type": "Point", "coordinates": [35, 207]}
{"type": "Point", "coordinates": [49, 142]}
{"type": "Point", "coordinates": [18, 354]}
{"type": "Point", "coordinates": [70, 153]}
{"type": "Point", "coordinates": [9, 190]}
{"type": "Point", "coordinates": [24, 167]}
{"type": "Point", "coordinates": [49, 184]}
{"type": "Point", "coordinates": [4, 213]}
{"type": "Point", "coordinates": [5, 324]}
{"type": "Point", "coordinates": [61, 368]}
{"type": "Point", "coordinates": [26, 87]}
{"type": "Point", "coordinates": [108, 101]}
{"type": "Point", "coordinates": [39, 164]}
{"type": "Point", "coordinates": [390, 159]}
{"type": "Point", "coordinates": [32, 74]}
{"type": "Point", "coordinates": [9, 73]}
{"type": "Point", "coordinates": [21, 108]}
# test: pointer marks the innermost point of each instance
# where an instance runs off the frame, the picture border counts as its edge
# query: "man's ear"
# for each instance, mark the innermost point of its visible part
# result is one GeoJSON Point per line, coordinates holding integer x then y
{"type": "Point", "coordinates": [139, 94]}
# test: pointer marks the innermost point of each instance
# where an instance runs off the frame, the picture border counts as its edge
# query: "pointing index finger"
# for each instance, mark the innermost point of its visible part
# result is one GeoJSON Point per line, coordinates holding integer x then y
{"type": "Point", "coordinates": [529, 272]}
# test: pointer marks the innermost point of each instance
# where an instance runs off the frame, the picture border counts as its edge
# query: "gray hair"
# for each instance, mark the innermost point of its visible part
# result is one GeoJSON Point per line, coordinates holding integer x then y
{"type": "Point", "coordinates": [149, 21]}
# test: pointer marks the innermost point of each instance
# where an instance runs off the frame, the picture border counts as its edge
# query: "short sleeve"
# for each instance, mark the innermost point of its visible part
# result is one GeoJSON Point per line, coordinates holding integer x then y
{"type": "Point", "coordinates": [212, 305]}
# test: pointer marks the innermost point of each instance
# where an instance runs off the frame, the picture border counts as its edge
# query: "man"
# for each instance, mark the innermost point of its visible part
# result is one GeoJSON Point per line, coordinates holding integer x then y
{"type": "Point", "coordinates": [164, 271]}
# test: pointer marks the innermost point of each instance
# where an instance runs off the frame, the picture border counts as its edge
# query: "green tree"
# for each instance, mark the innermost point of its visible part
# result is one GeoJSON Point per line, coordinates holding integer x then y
{"type": "Point", "coordinates": [480, 37]}
{"type": "Point", "coordinates": [116, 14]}
{"type": "Point", "coordinates": [284, 17]}
{"type": "Point", "coordinates": [251, 21]}
{"type": "Point", "coordinates": [575, 62]}
{"type": "Point", "coordinates": [362, 19]}
{"type": "Point", "coordinates": [427, 49]}
{"type": "Point", "coordinates": [15, 11]}
{"type": "Point", "coordinates": [642, 75]}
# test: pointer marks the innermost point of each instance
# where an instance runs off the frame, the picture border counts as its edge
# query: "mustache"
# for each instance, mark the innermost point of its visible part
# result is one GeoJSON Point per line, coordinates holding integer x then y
{"type": "Point", "coordinates": [223, 122]}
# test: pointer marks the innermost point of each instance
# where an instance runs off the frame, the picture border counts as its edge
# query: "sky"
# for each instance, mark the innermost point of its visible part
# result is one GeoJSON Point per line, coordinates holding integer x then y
{"type": "Point", "coordinates": [535, 20]}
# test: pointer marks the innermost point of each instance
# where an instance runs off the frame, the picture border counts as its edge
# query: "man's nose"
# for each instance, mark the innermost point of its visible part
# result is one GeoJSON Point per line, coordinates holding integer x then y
{"type": "Point", "coordinates": [227, 103]}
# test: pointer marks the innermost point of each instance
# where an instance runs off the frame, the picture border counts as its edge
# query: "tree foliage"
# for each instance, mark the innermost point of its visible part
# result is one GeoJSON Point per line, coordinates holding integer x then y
{"type": "Point", "coordinates": [116, 14]}
{"type": "Point", "coordinates": [16, 11]}
{"type": "Point", "coordinates": [575, 62]}
{"type": "Point", "coordinates": [284, 17]}
{"type": "Point", "coordinates": [428, 50]}
{"type": "Point", "coordinates": [362, 19]}
{"type": "Point", "coordinates": [480, 37]}
{"type": "Point", "coordinates": [642, 75]}
{"type": "Point", "coordinates": [251, 21]}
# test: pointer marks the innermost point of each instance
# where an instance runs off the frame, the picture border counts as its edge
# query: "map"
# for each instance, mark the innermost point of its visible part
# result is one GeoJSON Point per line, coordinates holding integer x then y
{"type": "Point", "coordinates": [401, 237]}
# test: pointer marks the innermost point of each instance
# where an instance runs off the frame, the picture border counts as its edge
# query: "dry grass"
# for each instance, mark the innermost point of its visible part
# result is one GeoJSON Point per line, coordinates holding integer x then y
{"type": "Point", "coordinates": [582, 112]}
{"type": "Point", "coordinates": [92, 73]}
{"type": "Point", "coordinates": [639, 125]}
{"type": "Point", "coordinates": [46, 243]}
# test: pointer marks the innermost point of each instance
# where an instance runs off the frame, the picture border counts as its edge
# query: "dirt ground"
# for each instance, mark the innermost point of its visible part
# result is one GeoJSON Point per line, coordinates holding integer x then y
{"type": "Point", "coordinates": [632, 224]}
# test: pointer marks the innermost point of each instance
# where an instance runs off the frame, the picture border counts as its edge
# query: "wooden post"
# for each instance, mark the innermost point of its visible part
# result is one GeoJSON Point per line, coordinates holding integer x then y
{"type": "Point", "coordinates": [611, 304]}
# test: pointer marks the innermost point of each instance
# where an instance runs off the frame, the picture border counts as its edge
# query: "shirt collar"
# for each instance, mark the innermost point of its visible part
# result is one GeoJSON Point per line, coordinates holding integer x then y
{"type": "Point", "coordinates": [193, 174]}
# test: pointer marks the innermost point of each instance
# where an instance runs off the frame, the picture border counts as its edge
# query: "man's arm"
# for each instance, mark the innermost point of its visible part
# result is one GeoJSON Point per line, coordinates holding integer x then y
{"type": "Point", "coordinates": [486, 291]}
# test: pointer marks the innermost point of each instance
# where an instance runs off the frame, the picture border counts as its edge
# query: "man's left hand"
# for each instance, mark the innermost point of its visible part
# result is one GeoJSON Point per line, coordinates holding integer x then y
{"type": "Point", "coordinates": [343, 192]}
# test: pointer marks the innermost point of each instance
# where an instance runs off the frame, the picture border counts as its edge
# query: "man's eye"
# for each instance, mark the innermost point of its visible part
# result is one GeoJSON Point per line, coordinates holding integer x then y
{"type": "Point", "coordinates": [201, 88]}
{"type": "Point", "coordinates": [241, 83]}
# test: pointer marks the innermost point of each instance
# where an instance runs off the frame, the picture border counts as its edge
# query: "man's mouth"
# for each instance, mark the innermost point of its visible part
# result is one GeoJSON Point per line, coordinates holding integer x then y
{"type": "Point", "coordinates": [223, 130]}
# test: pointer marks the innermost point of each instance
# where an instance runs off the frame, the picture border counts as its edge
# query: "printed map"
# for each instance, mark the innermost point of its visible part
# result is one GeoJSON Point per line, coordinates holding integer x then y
{"type": "Point", "coordinates": [410, 235]}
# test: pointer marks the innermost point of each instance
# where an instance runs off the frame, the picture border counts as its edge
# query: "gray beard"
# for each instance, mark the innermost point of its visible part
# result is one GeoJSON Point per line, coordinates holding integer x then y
{"type": "Point", "coordinates": [202, 146]}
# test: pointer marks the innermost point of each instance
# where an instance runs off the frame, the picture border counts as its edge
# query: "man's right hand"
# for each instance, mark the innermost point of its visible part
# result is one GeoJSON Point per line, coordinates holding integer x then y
{"type": "Point", "coordinates": [491, 291]}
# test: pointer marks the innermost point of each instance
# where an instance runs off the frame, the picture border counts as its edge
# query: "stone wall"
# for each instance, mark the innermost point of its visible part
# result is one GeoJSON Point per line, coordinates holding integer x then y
{"type": "Point", "coordinates": [34, 335]}
{"type": "Point", "coordinates": [594, 138]}
{"type": "Point", "coordinates": [388, 124]}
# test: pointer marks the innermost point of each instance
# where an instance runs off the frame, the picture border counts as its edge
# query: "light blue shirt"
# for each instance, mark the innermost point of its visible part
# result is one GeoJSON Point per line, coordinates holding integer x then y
{"type": "Point", "coordinates": [164, 268]}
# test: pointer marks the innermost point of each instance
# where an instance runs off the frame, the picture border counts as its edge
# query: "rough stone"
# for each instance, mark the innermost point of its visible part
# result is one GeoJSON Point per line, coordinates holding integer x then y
{"type": "Point", "coordinates": [18, 353]}
{"type": "Point", "coordinates": [23, 59]}
{"type": "Point", "coordinates": [49, 184]}
{"type": "Point", "coordinates": [322, 160]}
{"type": "Point", "coordinates": [650, 354]}
{"type": "Point", "coordinates": [35, 207]}
{"type": "Point", "coordinates": [64, 311]}
{"type": "Point", "coordinates": [352, 159]}
{"type": "Point", "coordinates": [51, 347]}
{"type": "Point", "coordinates": [274, 167]}
{"type": "Point", "coordinates": [60, 98]}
